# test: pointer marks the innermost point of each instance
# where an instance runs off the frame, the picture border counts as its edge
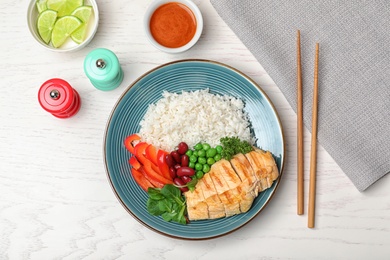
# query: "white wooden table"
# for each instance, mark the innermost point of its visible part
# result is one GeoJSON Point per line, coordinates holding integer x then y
{"type": "Point", "coordinates": [56, 201]}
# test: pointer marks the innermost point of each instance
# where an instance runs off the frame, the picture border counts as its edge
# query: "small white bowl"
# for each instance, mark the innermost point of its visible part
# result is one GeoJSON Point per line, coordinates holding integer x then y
{"type": "Point", "coordinates": [69, 45]}
{"type": "Point", "coordinates": [199, 24]}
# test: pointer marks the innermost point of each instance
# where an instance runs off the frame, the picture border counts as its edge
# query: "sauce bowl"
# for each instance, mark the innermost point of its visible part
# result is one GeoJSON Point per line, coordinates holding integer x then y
{"type": "Point", "coordinates": [188, 9]}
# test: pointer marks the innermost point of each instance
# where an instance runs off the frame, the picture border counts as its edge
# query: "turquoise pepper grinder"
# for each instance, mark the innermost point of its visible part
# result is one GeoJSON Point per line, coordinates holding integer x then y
{"type": "Point", "coordinates": [103, 69]}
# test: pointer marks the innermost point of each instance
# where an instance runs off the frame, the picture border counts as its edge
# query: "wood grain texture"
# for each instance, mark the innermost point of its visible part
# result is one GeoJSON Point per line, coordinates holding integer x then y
{"type": "Point", "coordinates": [300, 162]}
{"type": "Point", "coordinates": [56, 202]}
{"type": "Point", "coordinates": [313, 146]}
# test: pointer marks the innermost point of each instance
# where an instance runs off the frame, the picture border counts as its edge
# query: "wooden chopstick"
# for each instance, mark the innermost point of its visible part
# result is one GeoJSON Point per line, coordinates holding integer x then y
{"type": "Point", "coordinates": [300, 178]}
{"type": "Point", "coordinates": [313, 155]}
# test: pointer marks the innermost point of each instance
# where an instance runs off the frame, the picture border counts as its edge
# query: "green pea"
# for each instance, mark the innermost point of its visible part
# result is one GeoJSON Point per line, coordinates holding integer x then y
{"type": "Point", "coordinates": [202, 153]}
{"type": "Point", "coordinates": [206, 146]}
{"type": "Point", "coordinates": [211, 152]}
{"type": "Point", "coordinates": [198, 166]}
{"type": "Point", "coordinates": [206, 168]}
{"type": "Point", "coordinates": [189, 152]}
{"type": "Point", "coordinates": [210, 161]}
{"type": "Point", "coordinates": [193, 158]}
{"type": "Point", "coordinates": [217, 157]}
{"type": "Point", "coordinates": [202, 160]}
{"type": "Point", "coordinates": [199, 174]}
{"type": "Point", "coordinates": [191, 165]}
{"type": "Point", "coordinates": [219, 149]}
{"type": "Point", "coordinates": [198, 146]}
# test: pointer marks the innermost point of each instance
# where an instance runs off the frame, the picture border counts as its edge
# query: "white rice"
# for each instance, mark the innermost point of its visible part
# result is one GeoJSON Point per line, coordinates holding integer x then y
{"type": "Point", "coordinates": [193, 117]}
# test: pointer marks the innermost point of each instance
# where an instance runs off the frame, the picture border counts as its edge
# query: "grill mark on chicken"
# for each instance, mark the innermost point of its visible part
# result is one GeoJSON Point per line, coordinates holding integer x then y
{"type": "Point", "coordinates": [197, 208]}
{"type": "Point", "coordinates": [269, 162]}
{"type": "Point", "coordinates": [266, 170]}
{"type": "Point", "coordinates": [231, 194]}
{"type": "Point", "coordinates": [259, 170]}
{"type": "Point", "coordinates": [217, 182]}
{"type": "Point", "coordinates": [230, 175]}
{"type": "Point", "coordinates": [244, 170]}
{"type": "Point", "coordinates": [252, 170]}
{"type": "Point", "coordinates": [215, 206]}
{"type": "Point", "coordinates": [231, 186]}
{"type": "Point", "coordinates": [245, 198]}
{"type": "Point", "coordinates": [229, 201]}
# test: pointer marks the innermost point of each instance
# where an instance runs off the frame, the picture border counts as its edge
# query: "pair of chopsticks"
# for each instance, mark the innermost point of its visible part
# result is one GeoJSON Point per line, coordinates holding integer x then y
{"type": "Point", "coordinates": [313, 154]}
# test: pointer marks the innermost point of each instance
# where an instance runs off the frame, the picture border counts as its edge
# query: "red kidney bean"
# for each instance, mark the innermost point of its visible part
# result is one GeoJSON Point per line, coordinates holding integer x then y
{"type": "Point", "coordinates": [176, 156]}
{"type": "Point", "coordinates": [185, 171]}
{"type": "Point", "coordinates": [184, 160]}
{"type": "Point", "coordinates": [176, 166]}
{"type": "Point", "coordinates": [180, 182]}
{"type": "Point", "coordinates": [182, 148]}
{"type": "Point", "coordinates": [172, 172]}
{"type": "Point", "coordinates": [169, 160]}
{"type": "Point", "coordinates": [186, 179]}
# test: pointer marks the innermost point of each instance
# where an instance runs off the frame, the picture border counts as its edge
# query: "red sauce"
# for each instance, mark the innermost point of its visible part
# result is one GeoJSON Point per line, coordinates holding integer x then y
{"type": "Point", "coordinates": [173, 25]}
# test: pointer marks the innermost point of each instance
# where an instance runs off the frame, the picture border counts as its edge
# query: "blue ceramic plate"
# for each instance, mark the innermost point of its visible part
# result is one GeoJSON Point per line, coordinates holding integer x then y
{"type": "Point", "coordinates": [187, 75]}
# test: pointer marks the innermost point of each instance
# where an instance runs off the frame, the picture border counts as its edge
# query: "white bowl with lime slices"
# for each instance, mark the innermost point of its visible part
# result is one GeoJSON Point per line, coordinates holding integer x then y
{"type": "Point", "coordinates": [63, 25]}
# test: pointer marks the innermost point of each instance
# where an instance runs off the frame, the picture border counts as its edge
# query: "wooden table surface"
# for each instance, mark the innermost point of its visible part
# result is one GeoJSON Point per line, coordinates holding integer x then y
{"type": "Point", "coordinates": [56, 201]}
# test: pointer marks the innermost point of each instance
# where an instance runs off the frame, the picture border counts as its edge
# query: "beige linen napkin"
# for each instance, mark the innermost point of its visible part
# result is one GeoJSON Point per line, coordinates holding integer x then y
{"type": "Point", "coordinates": [354, 75]}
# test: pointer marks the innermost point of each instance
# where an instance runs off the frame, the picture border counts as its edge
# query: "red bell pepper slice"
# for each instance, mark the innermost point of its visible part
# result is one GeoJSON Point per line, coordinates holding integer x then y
{"type": "Point", "coordinates": [129, 142]}
{"type": "Point", "coordinates": [155, 168]}
{"type": "Point", "coordinates": [139, 152]}
{"type": "Point", "coordinates": [151, 179]}
{"type": "Point", "coordinates": [141, 180]}
{"type": "Point", "coordinates": [151, 154]}
{"type": "Point", "coordinates": [162, 164]}
{"type": "Point", "coordinates": [155, 176]}
{"type": "Point", "coordinates": [151, 171]}
{"type": "Point", "coordinates": [134, 162]}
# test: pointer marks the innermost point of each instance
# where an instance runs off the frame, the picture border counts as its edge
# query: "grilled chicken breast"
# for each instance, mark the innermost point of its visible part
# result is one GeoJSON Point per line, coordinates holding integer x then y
{"type": "Point", "coordinates": [231, 186]}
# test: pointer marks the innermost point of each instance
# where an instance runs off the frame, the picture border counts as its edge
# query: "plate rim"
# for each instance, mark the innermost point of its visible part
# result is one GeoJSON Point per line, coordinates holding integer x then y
{"type": "Point", "coordinates": [277, 182]}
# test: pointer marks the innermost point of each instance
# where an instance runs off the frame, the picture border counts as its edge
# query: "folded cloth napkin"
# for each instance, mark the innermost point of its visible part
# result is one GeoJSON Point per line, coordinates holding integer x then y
{"type": "Point", "coordinates": [354, 71]}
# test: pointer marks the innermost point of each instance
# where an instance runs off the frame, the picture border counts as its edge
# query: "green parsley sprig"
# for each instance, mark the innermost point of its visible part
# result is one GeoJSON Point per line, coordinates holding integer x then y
{"type": "Point", "coordinates": [233, 145]}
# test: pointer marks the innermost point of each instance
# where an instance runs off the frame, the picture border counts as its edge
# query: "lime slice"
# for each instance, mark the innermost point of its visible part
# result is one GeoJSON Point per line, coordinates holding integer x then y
{"type": "Point", "coordinates": [64, 7]}
{"type": "Point", "coordinates": [63, 28]}
{"type": "Point", "coordinates": [45, 24]}
{"type": "Point", "coordinates": [83, 13]}
{"type": "Point", "coordinates": [41, 5]}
